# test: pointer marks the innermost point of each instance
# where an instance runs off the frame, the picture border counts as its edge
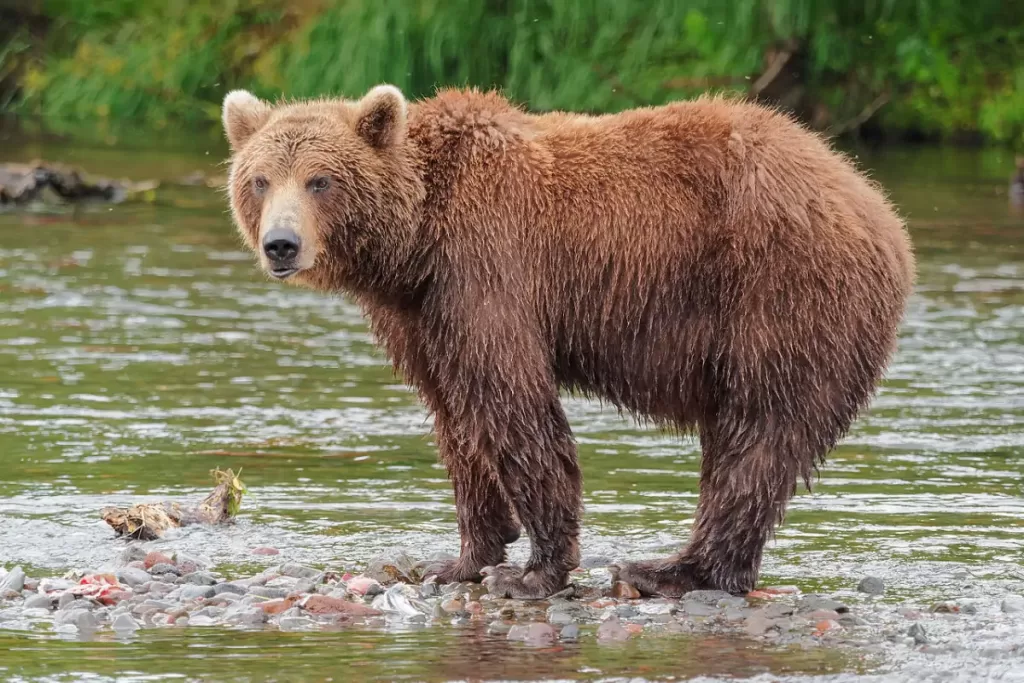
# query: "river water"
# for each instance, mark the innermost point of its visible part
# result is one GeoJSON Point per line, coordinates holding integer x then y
{"type": "Point", "coordinates": [140, 348]}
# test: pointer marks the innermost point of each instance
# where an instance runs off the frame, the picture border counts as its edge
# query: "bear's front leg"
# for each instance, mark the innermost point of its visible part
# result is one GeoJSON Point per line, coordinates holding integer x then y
{"type": "Point", "coordinates": [486, 521]}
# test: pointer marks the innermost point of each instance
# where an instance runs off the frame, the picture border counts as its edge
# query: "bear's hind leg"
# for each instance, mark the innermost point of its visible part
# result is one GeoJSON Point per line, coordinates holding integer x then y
{"type": "Point", "coordinates": [486, 520]}
{"type": "Point", "coordinates": [746, 482]}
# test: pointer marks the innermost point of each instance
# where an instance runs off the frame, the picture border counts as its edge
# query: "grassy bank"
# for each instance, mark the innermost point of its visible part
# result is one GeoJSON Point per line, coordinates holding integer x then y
{"type": "Point", "coordinates": [937, 69]}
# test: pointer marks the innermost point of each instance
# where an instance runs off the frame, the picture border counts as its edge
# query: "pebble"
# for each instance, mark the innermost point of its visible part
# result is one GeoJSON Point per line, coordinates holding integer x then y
{"type": "Point", "coordinates": [228, 587]}
{"type": "Point", "coordinates": [570, 632]}
{"type": "Point", "coordinates": [872, 585]}
{"type": "Point", "coordinates": [1012, 604]}
{"type": "Point", "coordinates": [323, 604]}
{"type": "Point", "coordinates": [809, 603]}
{"type": "Point", "coordinates": [132, 576]}
{"type": "Point", "coordinates": [700, 609]}
{"type": "Point", "coordinates": [295, 623]}
{"type": "Point", "coordinates": [38, 602]}
{"type": "Point", "coordinates": [65, 600]}
{"type": "Point", "coordinates": [298, 571]}
{"type": "Point", "coordinates": [707, 597]}
{"type": "Point", "coordinates": [560, 618]}
{"type": "Point", "coordinates": [245, 615]}
{"type": "Point", "coordinates": [194, 592]}
{"type": "Point", "coordinates": [154, 558]}
{"type": "Point", "coordinates": [268, 592]}
{"type": "Point", "coordinates": [133, 553]}
{"type": "Point", "coordinates": [533, 634]}
{"type": "Point", "coordinates": [12, 584]}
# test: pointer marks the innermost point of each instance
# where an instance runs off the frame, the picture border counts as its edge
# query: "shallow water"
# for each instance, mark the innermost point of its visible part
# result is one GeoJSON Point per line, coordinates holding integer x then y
{"type": "Point", "coordinates": [140, 348]}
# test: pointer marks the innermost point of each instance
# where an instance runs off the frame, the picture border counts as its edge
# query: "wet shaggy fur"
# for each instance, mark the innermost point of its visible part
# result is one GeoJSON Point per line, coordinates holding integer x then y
{"type": "Point", "coordinates": [706, 266]}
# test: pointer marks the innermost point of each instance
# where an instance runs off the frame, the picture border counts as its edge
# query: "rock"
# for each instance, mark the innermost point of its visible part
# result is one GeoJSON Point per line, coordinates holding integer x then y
{"type": "Point", "coordinates": [82, 619]}
{"type": "Point", "coordinates": [55, 585]}
{"type": "Point", "coordinates": [268, 592]}
{"type": "Point", "coordinates": [822, 615]}
{"type": "Point", "coordinates": [35, 613]}
{"type": "Point", "coordinates": [199, 579]}
{"type": "Point", "coordinates": [133, 553]}
{"type": "Point", "coordinates": [611, 630]}
{"type": "Point", "coordinates": [162, 569]}
{"type": "Point", "coordinates": [825, 625]}
{"type": "Point", "coordinates": [114, 597]}
{"type": "Point", "coordinates": [1012, 604]}
{"type": "Point", "coordinates": [245, 615]}
{"type": "Point", "coordinates": [918, 633]}
{"type": "Point", "coordinates": [453, 605]}
{"type": "Point", "coordinates": [132, 576]}
{"type": "Point", "coordinates": [298, 571]}
{"type": "Point", "coordinates": [195, 592]}
{"type": "Point", "coordinates": [699, 609]}
{"type": "Point", "coordinates": [295, 623]}
{"type": "Point", "coordinates": [364, 585]}
{"type": "Point", "coordinates": [626, 611]}
{"type": "Point", "coordinates": [159, 589]}
{"type": "Point", "coordinates": [154, 558]}
{"type": "Point", "coordinates": [533, 634]}
{"type": "Point", "coordinates": [946, 608]}
{"type": "Point", "coordinates": [124, 622]}
{"type": "Point", "coordinates": [758, 623]}
{"type": "Point", "coordinates": [777, 610]}
{"type": "Point", "coordinates": [38, 602]}
{"type": "Point", "coordinates": [570, 632]}
{"type": "Point", "coordinates": [595, 562]}
{"type": "Point", "coordinates": [427, 590]}
{"type": "Point", "coordinates": [498, 627]}
{"type": "Point", "coordinates": [969, 608]}
{"type": "Point", "coordinates": [624, 591]}
{"type": "Point", "coordinates": [393, 567]}
{"type": "Point", "coordinates": [12, 584]}
{"type": "Point", "coordinates": [323, 604]}
{"type": "Point", "coordinates": [187, 564]}
{"type": "Point", "coordinates": [872, 585]}
{"type": "Point", "coordinates": [560, 618]}
{"type": "Point", "coordinates": [707, 597]}
{"type": "Point", "coordinates": [654, 608]}
{"type": "Point", "coordinates": [809, 603]}
{"type": "Point", "coordinates": [65, 600]}
{"type": "Point", "coordinates": [137, 564]}
{"type": "Point", "coordinates": [228, 587]}
{"type": "Point", "coordinates": [265, 551]}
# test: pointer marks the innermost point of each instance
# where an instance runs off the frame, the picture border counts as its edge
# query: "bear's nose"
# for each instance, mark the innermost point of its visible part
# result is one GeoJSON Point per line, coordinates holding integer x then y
{"type": "Point", "coordinates": [281, 245]}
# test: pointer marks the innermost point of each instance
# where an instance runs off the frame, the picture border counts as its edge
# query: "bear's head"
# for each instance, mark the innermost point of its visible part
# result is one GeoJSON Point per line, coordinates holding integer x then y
{"type": "Point", "coordinates": [326, 192]}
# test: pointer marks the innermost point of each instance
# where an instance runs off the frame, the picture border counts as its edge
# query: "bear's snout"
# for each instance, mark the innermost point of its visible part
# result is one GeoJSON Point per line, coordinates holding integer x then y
{"type": "Point", "coordinates": [281, 245]}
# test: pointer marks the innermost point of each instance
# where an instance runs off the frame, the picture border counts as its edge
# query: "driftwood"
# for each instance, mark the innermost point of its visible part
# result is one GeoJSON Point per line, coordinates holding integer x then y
{"type": "Point", "coordinates": [148, 521]}
{"type": "Point", "coordinates": [41, 182]}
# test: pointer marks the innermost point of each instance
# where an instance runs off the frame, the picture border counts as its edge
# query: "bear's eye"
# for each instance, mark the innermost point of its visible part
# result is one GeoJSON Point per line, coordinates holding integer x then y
{"type": "Point", "coordinates": [319, 184]}
{"type": "Point", "coordinates": [259, 183]}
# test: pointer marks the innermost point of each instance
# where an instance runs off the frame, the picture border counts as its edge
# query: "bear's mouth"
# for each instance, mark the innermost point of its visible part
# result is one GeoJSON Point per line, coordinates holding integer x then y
{"type": "Point", "coordinates": [282, 273]}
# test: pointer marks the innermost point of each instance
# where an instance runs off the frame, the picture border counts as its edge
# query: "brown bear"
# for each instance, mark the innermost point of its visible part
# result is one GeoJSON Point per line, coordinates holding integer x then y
{"type": "Point", "coordinates": [709, 266]}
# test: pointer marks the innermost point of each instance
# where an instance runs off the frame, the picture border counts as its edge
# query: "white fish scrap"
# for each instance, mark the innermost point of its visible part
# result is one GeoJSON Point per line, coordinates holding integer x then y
{"type": "Point", "coordinates": [401, 600]}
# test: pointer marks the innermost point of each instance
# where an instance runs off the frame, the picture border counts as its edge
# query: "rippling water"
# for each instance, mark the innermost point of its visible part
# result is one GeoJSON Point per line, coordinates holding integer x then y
{"type": "Point", "coordinates": [140, 348]}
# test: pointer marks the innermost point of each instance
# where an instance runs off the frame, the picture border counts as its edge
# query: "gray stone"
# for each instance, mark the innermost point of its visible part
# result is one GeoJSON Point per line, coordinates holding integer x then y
{"type": "Point", "coordinates": [969, 608]}
{"type": "Point", "coordinates": [124, 622]}
{"type": "Point", "coordinates": [82, 619]}
{"type": "Point", "coordinates": [158, 605]}
{"type": "Point", "coordinates": [132, 576]}
{"type": "Point", "coordinates": [498, 627]}
{"type": "Point", "coordinates": [133, 553]}
{"type": "Point", "coordinates": [625, 611]}
{"type": "Point", "coordinates": [810, 603]}
{"type": "Point", "coordinates": [1012, 604]}
{"type": "Point", "coordinates": [917, 632]}
{"type": "Point", "coordinates": [212, 612]}
{"type": "Point", "coordinates": [229, 588]}
{"type": "Point", "coordinates": [198, 579]}
{"type": "Point", "coordinates": [35, 613]}
{"type": "Point", "coordinates": [611, 630]}
{"type": "Point", "coordinates": [707, 597]}
{"type": "Point", "coordinates": [872, 585]}
{"type": "Point", "coordinates": [570, 632]}
{"type": "Point", "coordinates": [12, 584]}
{"type": "Point", "coordinates": [65, 600]}
{"type": "Point", "coordinates": [267, 592]}
{"type": "Point", "coordinates": [201, 620]}
{"type": "Point", "coordinates": [560, 618]}
{"type": "Point", "coordinates": [39, 602]}
{"type": "Point", "coordinates": [393, 566]}
{"type": "Point", "coordinates": [303, 586]}
{"type": "Point", "coordinates": [245, 615]}
{"type": "Point", "coordinates": [159, 589]}
{"type": "Point", "coordinates": [194, 592]}
{"type": "Point", "coordinates": [295, 623]}
{"type": "Point", "coordinates": [162, 569]}
{"type": "Point", "coordinates": [298, 571]}
{"type": "Point", "coordinates": [430, 590]}
{"type": "Point", "coordinates": [777, 610]}
{"type": "Point", "coordinates": [700, 609]}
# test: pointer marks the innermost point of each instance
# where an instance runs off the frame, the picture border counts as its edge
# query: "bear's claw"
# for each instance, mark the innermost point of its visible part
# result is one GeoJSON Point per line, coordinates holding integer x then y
{"type": "Point", "coordinates": [508, 580]}
{"type": "Point", "coordinates": [449, 571]}
{"type": "Point", "coordinates": [667, 578]}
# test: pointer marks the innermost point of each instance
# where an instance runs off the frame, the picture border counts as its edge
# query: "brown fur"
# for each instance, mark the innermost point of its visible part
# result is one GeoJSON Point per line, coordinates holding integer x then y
{"type": "Point", "coordinates": [706, 265]}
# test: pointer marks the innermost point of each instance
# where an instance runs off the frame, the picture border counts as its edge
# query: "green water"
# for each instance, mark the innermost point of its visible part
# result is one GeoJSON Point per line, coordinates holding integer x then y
{"type": "Point", "coordinates": [140, 348]}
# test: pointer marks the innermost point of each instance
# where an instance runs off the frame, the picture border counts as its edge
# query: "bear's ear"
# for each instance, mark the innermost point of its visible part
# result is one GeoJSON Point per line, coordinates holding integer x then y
{"type": "Point", "coordinates": [380, 118]}
{"type": "Point", "coordinates": [243, 115]}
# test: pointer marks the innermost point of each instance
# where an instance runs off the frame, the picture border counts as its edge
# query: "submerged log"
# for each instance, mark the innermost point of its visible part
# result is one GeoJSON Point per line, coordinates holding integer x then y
{"type": "Point", "coordinates": [42, 181]}
{"type": "Point", "coordinates": [149, 521]}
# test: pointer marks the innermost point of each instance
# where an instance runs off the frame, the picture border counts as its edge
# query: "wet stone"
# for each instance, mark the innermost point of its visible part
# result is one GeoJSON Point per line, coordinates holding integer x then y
{"type": "Point", "coordinates": [918, 633]}
{"type": "Point", "coordinates": [245, 615]}
{"type": "Point", "coordinates": [392, 567]}
{"type": "Point", "coordinates": [38, 602]}
{"type": "Point", "coordinates": [624, 591]}
{"type": "Point", "coordinates": [133, 553]}
{"type": "Point", "coordinates": [303, 586]}
{"type": "Point", "coordinates": [700, 609]}
{"type": "Point", "coordinates": [498, 627]}
{"type": "Point", "coordinates": [298, 571]}
{"type": "Point", "coordinates": [430, 590]}
{"type": "Point", "coordinates": [65, 600]}
{"type": "Point", "coordinates": [707, 597]}
{"type": "Point", "coordinates": [198, 579]}
{"type": "Point", "coordinates": [1012, 604]}
{"type": "Point", "coordinates": [778, 610]}
{"type": "Point", "coordinates": [626, 611]}
{"type": "Point", "coordinates": [595, 562]}
{"type": "Point", "coordinates": [200, 620]}
{"type": "Point", "coordinates": [969, 608]}
{"type": "Point", "coordinates": [82, 619]}
{"type": "Point", "coordinates": [290, 623]}
{"type": "Point", "coordinates": [560, 618]}
{"type": "Point", "coordinates": [158, 589]}
{"type": "Point", "coordinates": [872, 585]}
{"type": "Point", "coordinates": [132, 576]}
{"type": "Point", "coordinates": [611, 630]}
{"type": "Point", "coordinates": [570, 632]}
{"type": "Point", "coordinates": [124, 622]}
{"type": "Point", "coordinates": [810, 603]}
{"type": "Point", "coordinates": [229, 588]}
{"type": "Point", "coordinates": [268, 592]}
{"type": "Point", "coordinates": [194, 592]}
{"type": "Point", "coordinates": [162, 569]}
{"type": "Point", "coordinates": [13, 583]}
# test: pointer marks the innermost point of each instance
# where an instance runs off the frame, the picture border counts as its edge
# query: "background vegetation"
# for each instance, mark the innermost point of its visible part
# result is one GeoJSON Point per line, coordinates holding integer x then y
{"type": "Point", "coordinates": [938, 69]}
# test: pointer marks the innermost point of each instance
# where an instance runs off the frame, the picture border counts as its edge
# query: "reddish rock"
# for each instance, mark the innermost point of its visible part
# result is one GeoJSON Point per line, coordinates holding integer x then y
{"type": "Point", "coordinates": [266, 551]}
{"type": "Point", "coordinates": [611, 630]}
{"type": "Point", "coordinates": [825, 625]}
{"type": "Point", "coordinates": [277, 606]}
{"type": "Point", "coordinates": [113, 597]}
{"type": "Point", "coordinates": [634, 628]}
{"type": "Point", "coordinates": [759, 595]}
{"type": "Point", "coordinates": [137, 564]}
{"type": "Point", "coordinates": [361, 585]}
{"type": "Point", "coordinates": [325, 604]}
{"type": "Point", "coordinates": [474, 607]}
{"type": "Point", "coordinates": [780, 590]}
{"type": "Point", "coordinates": [156, 558]}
